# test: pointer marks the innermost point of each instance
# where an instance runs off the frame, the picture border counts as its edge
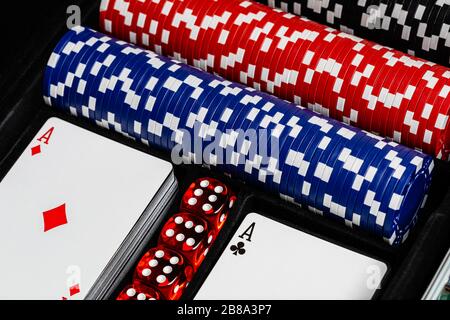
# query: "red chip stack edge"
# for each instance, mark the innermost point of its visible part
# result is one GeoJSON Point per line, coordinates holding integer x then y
{"type": "Point", "coordinates": [356, 81]}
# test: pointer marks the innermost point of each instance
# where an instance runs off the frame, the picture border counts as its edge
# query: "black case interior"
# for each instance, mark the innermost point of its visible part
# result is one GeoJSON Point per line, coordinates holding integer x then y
{"type": "Point", "coordinates": [23, 112]}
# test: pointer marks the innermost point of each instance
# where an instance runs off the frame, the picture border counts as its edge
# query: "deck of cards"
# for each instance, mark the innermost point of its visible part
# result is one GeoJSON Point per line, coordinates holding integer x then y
{"type": "Point", "coordinates": [75, 208]}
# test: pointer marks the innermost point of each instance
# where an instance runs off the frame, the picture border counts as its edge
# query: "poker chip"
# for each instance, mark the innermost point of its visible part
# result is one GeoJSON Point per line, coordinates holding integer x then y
{"type": "Point", "coordinates": [338, 171]}
{"type": "Point", "coordinates": [353, 80]}
{"type": "Point", "coordinates": [420, 28]}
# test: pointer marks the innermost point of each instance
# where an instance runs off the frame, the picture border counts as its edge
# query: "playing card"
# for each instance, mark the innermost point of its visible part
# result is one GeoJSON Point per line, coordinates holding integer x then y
{"type": "Point", "coordinates": [66, 206]}
{"type": "Point", "coordinates": [269, 260]}
{"type": "Point", "coordinates": [439, 288]}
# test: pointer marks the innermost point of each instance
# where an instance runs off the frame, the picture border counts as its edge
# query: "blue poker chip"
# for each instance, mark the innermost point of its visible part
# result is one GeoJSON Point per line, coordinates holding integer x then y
{"type": "Point", "coordinates": [294, 127]}
{"type": "Point", "coordinates": [152, 85]}
{"type": "Point", "coordinates": [407, 198]}
{"type": "Point", "coordinates": [376, 159]}
{"type": "Point", "coordinates": [322, 169]}
{"type": "Point", "coordinates": [78, 68]}
{"type": "Point", "coordinates": [333, 169]}
{"type": "Point", "coordinates": [55, 60]}
{"type": "Point", "coordinates": [171, 90]}
{"type": "Point", "coordinates": [300, 161]}
{"type": "Point", "coordinates": [163, 93]}
{"type": "Point", "coordinates": [139, 119]}
{"type": "Point", "coordinates": [222, 108]}
{"type": "Point", "coordinates": [103, 63]}
{"type": "Point", "coordinates": [299, 131]}
{"type": "Point", "coordinates": [86, 46]}
{"type": "Point", "coordinates": [80, 97]}
{"type": "Point", "coordinates": [74, 52]}
{"type": "Point", "coordinates": [271, 128]}
{"type": "Point", "coordinates": [270, 141]}
{"type": "Point", "coordinates": [357, 181]}
{"type": "Point", "coordinates": [345, 162]}
{"type": "Point", "coordinates": [305, 152]}
{"type": "Point", "coordinates": [233, 128]}
{"type": "Point", "coordinates": [134, 124]}
{"type": "Point", "coordinates": [303, 182]}
{"type": "Point", "coordinates": [319, 169]}
{"type": "Point", "coordinates": [98, 81]}
{"type": "Point", "coordinates": [99, 87]}
{"type": "Point", "coordinates": [122, 80]}
{"type": "Point", "coordinates": [400, 174]}
{"type": "Point", "coordinates": [202, 113]}
{"type": "Point", "coordinates": [329, 157]}
{"type": "Point", "coordinates": [149, 123]}
{"type": "Point", "coordinates": [293, 165]}
{"type": "Point", "coordinates": [185, 116]}
{"type": "Point", "coordinates": [192, 91]}
{"type": "Point", "coordinates": [127, 92]}
{"type": "Point", "coordinates": [374, 194]}
{"type": "Point", "coordinates": [327, 198]}
{"type": "Point", "coordinates": [243, 108]}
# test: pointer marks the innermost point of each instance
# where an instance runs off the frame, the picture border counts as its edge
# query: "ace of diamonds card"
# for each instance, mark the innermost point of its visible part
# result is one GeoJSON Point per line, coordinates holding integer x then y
{"type": "Point", "coordinates": [66, 206]}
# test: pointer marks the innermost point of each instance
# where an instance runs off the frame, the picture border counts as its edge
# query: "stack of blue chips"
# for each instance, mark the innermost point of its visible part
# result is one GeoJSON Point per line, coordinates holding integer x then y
{"type": "Point", "coordinates": [332, 169]}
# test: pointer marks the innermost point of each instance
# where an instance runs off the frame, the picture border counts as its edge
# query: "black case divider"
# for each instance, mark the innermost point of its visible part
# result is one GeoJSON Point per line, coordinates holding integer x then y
{"type": "Point", "coordinates": [411, 266]}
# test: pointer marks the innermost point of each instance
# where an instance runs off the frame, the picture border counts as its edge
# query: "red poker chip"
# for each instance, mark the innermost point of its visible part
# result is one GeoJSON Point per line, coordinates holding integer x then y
{"type": "Point", "coordinates": [287, 70]}
{"type": "Point", "coordinates": [256, 57]}
{"type": "Point", "coordinates": [352, 112]}
{"type": "Point", "coordinates": [370, 74]}
{"type": "Point", "coordinates": [403, 100]}
{"type": "Point", "coordinates": [105, 22]}
{"type": "Point", "coordinates": [331, 69]}
{"type": "Point", "coordinates": [307, 62]}
{"type": "Point", "coordinates": [269, 60]}
{"type": "Point", "coordinates": [438, 120]}
{"type": "Point", "coordinates": [146, 36]}
{"type": "Point", "coordinates": [120, 19]}
{"type": "Point", "coordinates": [423, 111]}
{"type": "Point", "coordinates": [295, 60]}
{"type": "Point", "coordinates": [215, 45]}
{"type": "Point", "coordinates": [281, 74]}
{"type": "Point", "coordinates": [191, 37]}
{"type": "Point", "coordinates": [241, 39]}
{"type": "Point", "coordinates": [139, 20]}
{"type": "Point", "coordinates": [215, 49]}
{"type": "Point", "coordinates": [385, 95]}
{"type": "Point", "coordinates": [316, 68]}
{"type": "Point", "coordinates": [316, 71]}
{"type": "Point", "coordinates": [185, 47]}
{"type": "Point", "coordinates": [337, 88]}
{"type": "Point", "coordinates": [236, 46]}
{"type": "Point", "coordinates": [273, 62]}
{"type": "Point", "coordinates": [170, 37]}
{"type": "Point", "coordinates": [340, 70]}
{"type": "Point", "coordinates": [373, 88]}
{"type": "Point", "coordinates": [442, 148]}
{"type": "Point", "coordinates": [420, 95]}
{"type": "Point", "coordinates": [313, 70]}
{"type": "Point", "coordinates": [207, 17]}
{"type": "Point", "coordinates": [156, 26]}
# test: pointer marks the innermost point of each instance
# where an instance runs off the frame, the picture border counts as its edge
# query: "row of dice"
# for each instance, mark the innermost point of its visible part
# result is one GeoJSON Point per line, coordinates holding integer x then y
{"type": "Point", "coordinates": [166, 270]}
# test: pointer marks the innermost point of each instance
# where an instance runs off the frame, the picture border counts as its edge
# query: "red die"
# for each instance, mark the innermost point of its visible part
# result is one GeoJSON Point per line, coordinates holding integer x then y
{"type": "Point", "coordinates": [138, 291]}
{"type": "Point", "coordinates": [189, 235]}
{"type": "Point", "coordinates": [166, 270]}
{"type": "Point", "coordinates": [209, 198]}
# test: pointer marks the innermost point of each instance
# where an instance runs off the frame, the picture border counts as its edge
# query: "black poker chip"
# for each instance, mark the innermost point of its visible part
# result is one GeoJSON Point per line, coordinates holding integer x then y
{"type": "Point", "coordinates": [417, 27]}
